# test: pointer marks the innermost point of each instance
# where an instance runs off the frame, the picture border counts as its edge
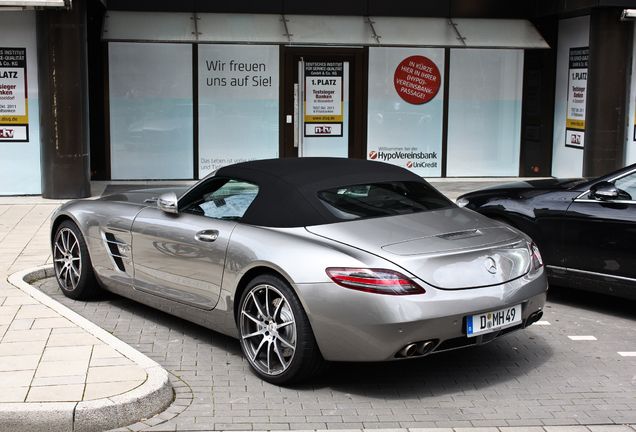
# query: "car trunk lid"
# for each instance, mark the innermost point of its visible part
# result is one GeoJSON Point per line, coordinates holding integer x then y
{"type": "Point", "coordinates": [449, 249]}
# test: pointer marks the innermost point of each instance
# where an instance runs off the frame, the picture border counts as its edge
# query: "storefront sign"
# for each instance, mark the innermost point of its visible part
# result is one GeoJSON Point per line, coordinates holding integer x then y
{"type": "Point", "coordinates": [14, 119]}
{"type": "Point", "coordinates": [323, 99]}
{"type": "Point", "coordinates": [406, 109]}
{"type": "Point", "coordinates": [577, 91]}
{"type": "Point", "coordinates": [417, 80]}
{"type": "Point", "coordinates": [409, 157]}
{"type": "Point", "coordinates": [238, 104]}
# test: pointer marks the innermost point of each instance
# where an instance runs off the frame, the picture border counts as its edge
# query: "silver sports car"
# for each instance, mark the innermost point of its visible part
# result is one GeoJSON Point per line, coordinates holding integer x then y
{"type": "Point", "coordinates": [307, 261]}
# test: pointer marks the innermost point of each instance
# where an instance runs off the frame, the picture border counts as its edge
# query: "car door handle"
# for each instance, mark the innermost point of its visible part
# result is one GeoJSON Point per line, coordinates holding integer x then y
{"type": "Point", "coordinates": [207, 235]}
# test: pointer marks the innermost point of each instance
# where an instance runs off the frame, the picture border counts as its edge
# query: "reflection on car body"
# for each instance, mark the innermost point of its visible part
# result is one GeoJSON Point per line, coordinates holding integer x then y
{"type": "Point", "coordinates": [307, 261]}
{"type": "Point", "coordinates": [586, 229]}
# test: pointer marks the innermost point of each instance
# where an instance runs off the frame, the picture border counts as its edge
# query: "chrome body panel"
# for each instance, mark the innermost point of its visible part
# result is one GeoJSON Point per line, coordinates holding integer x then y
{"type": "Point", "coordinates": [378, 232]}
{"type": "Point", "coordinates": [299, 256]}
{"type": "Point", "coordinates": [172, 262]}
{"type": "Point", "coordinates": [97, 220]}
{"type": "Point", "coordinates": [446, 248]}
{"type": "Point", "coordinates": [370, 327]}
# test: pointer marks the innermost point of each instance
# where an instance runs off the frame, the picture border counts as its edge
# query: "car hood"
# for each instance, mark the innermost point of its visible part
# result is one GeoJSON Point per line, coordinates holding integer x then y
{"type": "Point", "coordinates": [147, 197]}
{"type": "Point", "coordinates": [449, 249]}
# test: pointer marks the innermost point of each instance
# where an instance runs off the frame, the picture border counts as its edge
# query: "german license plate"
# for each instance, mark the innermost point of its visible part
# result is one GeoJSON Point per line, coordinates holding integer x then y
{"type": "Point", "coordinates": [492, 321]}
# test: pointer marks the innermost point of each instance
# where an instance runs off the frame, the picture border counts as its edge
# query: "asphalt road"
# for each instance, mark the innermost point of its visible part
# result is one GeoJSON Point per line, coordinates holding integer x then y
{"type": "Point", "coordinates": [575, 367]}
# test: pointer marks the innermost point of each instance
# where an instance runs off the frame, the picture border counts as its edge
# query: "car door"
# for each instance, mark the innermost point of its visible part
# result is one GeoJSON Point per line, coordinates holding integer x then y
{"type": "Point", "coordinates": [599, 234]}
{"type": "Point", "coordinates": [182, 256]}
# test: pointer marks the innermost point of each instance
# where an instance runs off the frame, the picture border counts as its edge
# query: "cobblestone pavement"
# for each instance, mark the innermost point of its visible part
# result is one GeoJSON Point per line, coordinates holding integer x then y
{"type": "Point", "coordinates": [575, 367]}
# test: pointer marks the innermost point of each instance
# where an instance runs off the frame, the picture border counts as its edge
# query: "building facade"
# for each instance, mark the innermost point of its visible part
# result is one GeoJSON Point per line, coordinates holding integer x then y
{"type": "Point", "coordinates": [147, 90]}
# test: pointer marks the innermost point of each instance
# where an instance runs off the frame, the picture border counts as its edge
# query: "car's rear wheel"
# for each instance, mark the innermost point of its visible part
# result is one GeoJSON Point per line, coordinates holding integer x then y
{"type": "Point", "coordinates": [275, 333]}
{"type": "Point", "coordinates": [73, 268]}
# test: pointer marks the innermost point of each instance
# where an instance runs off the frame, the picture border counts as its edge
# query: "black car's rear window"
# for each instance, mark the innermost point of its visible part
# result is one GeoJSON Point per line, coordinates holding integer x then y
{"type": "Point", "coordinates": [382, 199]}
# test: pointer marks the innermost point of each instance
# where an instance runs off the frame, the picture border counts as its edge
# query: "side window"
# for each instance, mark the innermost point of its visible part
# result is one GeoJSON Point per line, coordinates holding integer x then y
{"type": "Point", "coordinates": [220, 198]}
{"type": "Point", "coordinates": [626, 187]}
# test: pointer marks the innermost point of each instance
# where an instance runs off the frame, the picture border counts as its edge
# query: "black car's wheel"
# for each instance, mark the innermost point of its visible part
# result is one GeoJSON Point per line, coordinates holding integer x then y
{"type": "Point", "coordinates": [73, 268]}
{"type": "Point", "coordinates": [276, 336]}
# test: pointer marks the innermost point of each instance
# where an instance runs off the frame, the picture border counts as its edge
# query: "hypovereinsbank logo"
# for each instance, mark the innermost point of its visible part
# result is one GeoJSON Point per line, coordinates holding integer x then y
{"type": "Point", "coordinates": [397, 155]}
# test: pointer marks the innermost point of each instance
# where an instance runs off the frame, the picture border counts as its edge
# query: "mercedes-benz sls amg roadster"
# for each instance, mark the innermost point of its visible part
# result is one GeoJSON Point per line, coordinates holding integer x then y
{"type": "Point", "coordinates": [306, 261]}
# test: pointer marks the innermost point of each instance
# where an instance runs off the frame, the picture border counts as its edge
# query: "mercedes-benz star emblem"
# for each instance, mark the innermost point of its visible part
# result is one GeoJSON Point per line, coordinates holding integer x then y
{"type": "Point", "coordinates": [491, 265]}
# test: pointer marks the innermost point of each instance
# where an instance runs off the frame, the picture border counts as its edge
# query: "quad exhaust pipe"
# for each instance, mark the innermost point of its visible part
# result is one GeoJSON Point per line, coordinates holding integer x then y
{"type": "Point", "coordinates": [416, 349]}
{"type": "Point", "coordinates": [408, 350]}
{"type": "Point", "coordinates": [534, 317]}
{"type": "Point", "coordinates": [419, 349]}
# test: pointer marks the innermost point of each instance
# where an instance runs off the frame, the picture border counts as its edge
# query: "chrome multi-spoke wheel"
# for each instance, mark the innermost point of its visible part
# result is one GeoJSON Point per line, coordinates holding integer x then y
{"type": "Point", "coordinates": [268, 330]}
{"type": "Point", "coordinates": [71, 261]}
{"type": "Point", "coordinates": [275, 333]}
{"type": "Point", "coordinates": [67, 259]}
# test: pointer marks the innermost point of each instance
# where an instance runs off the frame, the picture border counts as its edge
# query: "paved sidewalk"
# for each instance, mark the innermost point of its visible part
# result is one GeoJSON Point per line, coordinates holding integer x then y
{"type": "Point", "coordinates": [58, 371]}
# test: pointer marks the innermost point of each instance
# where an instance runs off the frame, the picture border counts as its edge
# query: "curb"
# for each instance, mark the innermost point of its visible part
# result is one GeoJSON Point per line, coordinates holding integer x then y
{"type": "Point", "coordinates": [150, 398]}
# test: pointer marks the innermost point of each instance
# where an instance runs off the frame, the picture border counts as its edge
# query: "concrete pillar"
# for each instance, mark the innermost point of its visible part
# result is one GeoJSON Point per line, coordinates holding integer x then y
{"type": "Point", "coordinates": [63, 95]}
{"type": "Point", "coordinates": [607, 92]}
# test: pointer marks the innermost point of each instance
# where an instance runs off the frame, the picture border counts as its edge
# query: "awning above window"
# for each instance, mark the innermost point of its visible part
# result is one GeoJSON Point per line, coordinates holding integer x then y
{"type": "Point", "coordinates": [34, 4]}
{"type": "Point", "coordinates": [321, 30]}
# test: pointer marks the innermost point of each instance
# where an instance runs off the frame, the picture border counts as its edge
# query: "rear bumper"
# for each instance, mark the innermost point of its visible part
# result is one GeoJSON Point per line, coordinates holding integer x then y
{"type": "Point", "coordinates": [357, 326]}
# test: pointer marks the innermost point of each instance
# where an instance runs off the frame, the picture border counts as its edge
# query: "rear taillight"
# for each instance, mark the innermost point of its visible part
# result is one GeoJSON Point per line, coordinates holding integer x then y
{"type": "Point", "coordinates": [378, 281]}
{"type": "Point", "coordinates": [537, 261]}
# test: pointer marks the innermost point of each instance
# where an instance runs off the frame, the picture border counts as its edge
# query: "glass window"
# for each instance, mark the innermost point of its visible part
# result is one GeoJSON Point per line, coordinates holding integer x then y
{"type": "Point", "coordinates": [238, 104]}
{"type": "Point", "coordinates": [626, 187]}
{"type": "Point", "coordinates": [399, 132]}
{"type": "Point", "coordinates": [382, 199]}
{"type": "Point", "coordinates": [20, 171]}
{"type": "Point", "coordinates": [484, 113]}
{"type": "Point", "coordinates": [151, 111]}
{"type": "Point", "coordinates": [220, 198]}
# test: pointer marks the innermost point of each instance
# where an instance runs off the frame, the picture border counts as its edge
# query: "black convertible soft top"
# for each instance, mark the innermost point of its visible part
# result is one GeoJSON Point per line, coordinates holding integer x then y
{"type": "Point", "coordinates": [288, 187]}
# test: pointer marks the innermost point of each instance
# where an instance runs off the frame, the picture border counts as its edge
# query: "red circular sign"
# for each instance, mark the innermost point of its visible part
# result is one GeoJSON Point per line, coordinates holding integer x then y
{"type": "Point", "coordinates": [417, 80]}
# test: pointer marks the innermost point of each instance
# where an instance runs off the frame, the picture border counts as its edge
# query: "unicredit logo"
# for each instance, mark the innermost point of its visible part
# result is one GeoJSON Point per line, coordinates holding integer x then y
{"type": "Point", "coordinates": [411, 164]}
{"type": "Point", "coordinates": [373, 155]}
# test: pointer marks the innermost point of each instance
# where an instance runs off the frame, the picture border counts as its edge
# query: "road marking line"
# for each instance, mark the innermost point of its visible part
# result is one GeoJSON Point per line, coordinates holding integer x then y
{"type": "Point", "coordinates": [627, 354]}
{"type": "Point", "coordinates": [582, 338]}
{"type": "Point", "coordinates": [542, 323]}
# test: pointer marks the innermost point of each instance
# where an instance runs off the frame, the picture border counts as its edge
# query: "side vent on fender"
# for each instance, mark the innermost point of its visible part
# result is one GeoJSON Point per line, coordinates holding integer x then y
{"type": "Point", "coordinates": [117, 251]}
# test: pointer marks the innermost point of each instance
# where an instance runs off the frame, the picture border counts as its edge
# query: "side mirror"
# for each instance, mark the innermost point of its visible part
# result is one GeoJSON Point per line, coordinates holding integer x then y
{"type": "Point", "coordinates": [604, 191]}
{"type": "Point", "coordinates": [168, 203]}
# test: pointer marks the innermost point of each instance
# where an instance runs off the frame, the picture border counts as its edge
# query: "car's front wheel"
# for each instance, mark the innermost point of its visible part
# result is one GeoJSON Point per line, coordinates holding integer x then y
{"type": "Point", "coordinates": [275, 333]}
{"type": "Point", "coordinates": [73, 268]}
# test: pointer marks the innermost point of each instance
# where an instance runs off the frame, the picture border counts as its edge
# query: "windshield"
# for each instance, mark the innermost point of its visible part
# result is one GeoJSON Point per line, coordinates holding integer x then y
{"type": "Point", "coordinates": [382, 199]}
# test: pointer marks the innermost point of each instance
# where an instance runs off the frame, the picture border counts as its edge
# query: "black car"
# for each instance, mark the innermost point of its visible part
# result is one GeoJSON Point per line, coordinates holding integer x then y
{"type": "Point", "coordinates": [585, 229]}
